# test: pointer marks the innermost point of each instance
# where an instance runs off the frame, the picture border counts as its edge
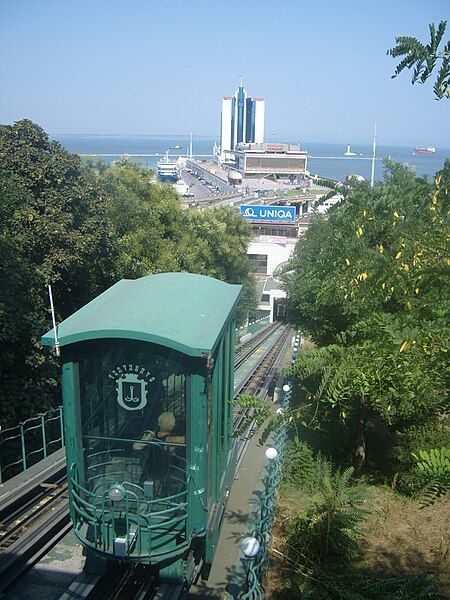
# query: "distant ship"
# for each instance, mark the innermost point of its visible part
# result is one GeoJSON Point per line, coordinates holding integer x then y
{"type": "Point", "coordinates": [166, 170]}
{"type": "Point", "coordinates": [348, 152]}
{"type": "Point", "coordinates": [427, 150]}
{"type": "Point", "coordinates": [177, 146]}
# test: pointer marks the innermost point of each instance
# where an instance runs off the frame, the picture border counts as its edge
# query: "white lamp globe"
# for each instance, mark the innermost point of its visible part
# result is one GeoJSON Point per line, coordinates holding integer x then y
{"type": "Point", "coordinates": [286, 388]}
{"type": "Point", "coordinates": [271, 453]}
{"type": "Point", "coordinates": [250, 547]}
{"type": "Point", "coordinates": [279, 411]}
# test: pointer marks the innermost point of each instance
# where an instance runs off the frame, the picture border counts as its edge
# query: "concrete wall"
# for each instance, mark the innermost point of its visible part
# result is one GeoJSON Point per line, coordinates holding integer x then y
{"type": "Point", "coordinates": [276, 253]}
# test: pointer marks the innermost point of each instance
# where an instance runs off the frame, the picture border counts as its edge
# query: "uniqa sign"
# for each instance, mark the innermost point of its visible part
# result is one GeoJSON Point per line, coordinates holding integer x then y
{"type": "Point", "coordinates": [268, 213]}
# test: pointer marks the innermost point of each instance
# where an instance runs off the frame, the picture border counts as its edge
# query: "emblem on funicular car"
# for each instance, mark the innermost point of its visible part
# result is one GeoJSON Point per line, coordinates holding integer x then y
{"type": "Point", "coordinates": [131, 391]}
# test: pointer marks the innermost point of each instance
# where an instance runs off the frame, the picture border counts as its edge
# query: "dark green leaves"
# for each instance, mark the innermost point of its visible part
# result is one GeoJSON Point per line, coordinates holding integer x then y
{"type": "Point", "coordinates": [423, 59]}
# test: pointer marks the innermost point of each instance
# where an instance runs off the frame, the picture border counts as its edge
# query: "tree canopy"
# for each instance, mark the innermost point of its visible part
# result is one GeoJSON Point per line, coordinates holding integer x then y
{"type": "Point", "coordinates": [370, 285]}
{"type": "Point", "coordinates": [82, 226]}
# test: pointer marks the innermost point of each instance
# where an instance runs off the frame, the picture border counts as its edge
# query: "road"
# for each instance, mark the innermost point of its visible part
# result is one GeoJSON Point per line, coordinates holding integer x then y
{"type": "Point", "coordinates": [195, 186]}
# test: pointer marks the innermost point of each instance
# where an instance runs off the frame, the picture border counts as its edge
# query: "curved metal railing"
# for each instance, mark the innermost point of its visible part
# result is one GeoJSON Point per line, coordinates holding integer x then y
{"type": "Point", "coordinates": [148, 524]}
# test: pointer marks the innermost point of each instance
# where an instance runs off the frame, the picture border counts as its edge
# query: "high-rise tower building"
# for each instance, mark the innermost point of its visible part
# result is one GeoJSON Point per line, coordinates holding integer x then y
{"type": "Point", "coordinates": [242, 120]}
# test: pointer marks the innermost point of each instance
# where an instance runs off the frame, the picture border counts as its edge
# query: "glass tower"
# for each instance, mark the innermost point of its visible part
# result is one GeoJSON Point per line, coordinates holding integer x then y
{"type": "Point", "coordinates": [242, 120]}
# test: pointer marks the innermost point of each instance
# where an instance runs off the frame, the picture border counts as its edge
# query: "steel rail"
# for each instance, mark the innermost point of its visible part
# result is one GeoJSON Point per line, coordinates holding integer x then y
{"type": "Point", "coordinates": [246, 349]}
{"type": "Point", "coordinates": [18, 499]}
{"type": "Point", "coordinates": [28, 549]}
{"type": "Point", "coordinates": [258, 383]}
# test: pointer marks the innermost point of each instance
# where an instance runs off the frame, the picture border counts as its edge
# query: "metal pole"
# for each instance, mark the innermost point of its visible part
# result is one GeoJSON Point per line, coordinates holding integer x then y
{"type": "Point", "coordinates": [53, 320]}
{"type": "Point", "coordinates": [44, 437]}
{"type": "Point", "coordinates": [24, 454]}
{"type": "Point", "coordinates": [374, 149]}
{"type": "Point", "coordinates": [61, 424]}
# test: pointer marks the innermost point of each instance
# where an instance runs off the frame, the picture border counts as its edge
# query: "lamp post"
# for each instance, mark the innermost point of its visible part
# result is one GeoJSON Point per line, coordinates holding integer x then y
{"type": "Point", "coordinates": [250, 548]}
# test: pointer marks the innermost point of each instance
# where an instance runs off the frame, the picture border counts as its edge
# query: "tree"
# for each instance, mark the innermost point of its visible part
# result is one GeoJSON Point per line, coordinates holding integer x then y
{"type": "Point", "coordinates": [53, 229]}
{"type": "Point", "coordinates": [370, 285]}
{"type": "Point", "coordinates": [155, 232]}
{"type": "Point", "coordinates": [425, 58]}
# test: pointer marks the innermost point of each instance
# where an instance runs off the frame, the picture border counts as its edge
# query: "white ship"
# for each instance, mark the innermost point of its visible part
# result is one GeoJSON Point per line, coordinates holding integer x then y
{"type": "Point", "coordinates": [167, 170]}
{"type": "Point", "coordinates": [348, 152]}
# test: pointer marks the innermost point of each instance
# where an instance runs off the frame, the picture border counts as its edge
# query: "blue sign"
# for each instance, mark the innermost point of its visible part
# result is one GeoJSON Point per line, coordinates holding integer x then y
{"type": "Point", "coordinates": [268, 213]}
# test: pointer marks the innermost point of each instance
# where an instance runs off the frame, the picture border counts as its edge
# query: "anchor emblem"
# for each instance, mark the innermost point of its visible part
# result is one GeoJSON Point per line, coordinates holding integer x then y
{"type": "Point", "coordinates": [131, 392]}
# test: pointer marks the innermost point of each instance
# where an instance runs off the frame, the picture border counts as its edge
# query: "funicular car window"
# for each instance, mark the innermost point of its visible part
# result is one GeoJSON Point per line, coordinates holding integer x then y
{"type": "Point", "coordinates": [133, 415]}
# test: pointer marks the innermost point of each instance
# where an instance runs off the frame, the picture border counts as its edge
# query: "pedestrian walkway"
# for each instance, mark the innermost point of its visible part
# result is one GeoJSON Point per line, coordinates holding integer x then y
{"type": "Point", "coordinates": [227, 573]}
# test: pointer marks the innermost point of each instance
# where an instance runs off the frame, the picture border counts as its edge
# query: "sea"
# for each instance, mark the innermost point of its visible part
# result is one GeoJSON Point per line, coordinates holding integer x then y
{"type": "Point", "coordinates": [325, 160]}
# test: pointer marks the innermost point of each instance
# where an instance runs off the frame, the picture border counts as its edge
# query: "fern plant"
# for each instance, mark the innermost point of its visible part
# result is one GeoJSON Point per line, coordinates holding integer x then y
{"type": "Point", "coordinates": [329, 527]}
{"type": "Point", "coordinates": [434, 467]}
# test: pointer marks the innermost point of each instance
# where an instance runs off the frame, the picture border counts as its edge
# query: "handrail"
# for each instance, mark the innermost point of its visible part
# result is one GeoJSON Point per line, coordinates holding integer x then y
{"type": "Point", "coordinates": [136, 517]}
{"type": "Point", "coordinates": [20, 445]}
{"type": "Point", "coordinates": [257, 567]}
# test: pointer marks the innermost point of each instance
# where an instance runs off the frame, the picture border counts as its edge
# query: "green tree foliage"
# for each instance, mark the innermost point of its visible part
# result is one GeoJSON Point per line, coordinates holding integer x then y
{"type": "Point", "coordinates": [434, 433]}
{"type": "Point", "coordinates": [370, 285]}
{"type": "Point", "coordinates": [155, 232]}
{"type": "Point", "coordinates": [82, 226]}
{"type": "Point", "coordinates": [53, 229]}
{"type": "Point", "coordinates": [425, 58]}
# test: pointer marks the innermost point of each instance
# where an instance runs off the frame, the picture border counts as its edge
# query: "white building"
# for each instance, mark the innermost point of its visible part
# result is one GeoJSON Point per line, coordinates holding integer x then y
{"type": "Point", "coordinates": [242, 121]}
{"type": "Point", "coordinates": [260, 110]}
{"type": "Point", "coordinates": [226, 130]}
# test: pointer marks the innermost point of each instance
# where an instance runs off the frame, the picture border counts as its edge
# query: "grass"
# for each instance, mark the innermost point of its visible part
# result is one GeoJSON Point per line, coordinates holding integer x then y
{"type": "Point", "coordinates": [401, 540]}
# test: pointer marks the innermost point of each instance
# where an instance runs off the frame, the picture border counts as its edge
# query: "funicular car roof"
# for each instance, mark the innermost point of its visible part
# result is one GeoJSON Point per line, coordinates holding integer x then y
{"type": "Point", "coordinates": [183, 311]}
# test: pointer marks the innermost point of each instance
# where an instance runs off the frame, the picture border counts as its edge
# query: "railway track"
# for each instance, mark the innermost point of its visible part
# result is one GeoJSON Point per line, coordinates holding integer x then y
{"type": "Point", "coordinates": [246, 349]}
{"type": "Point", "coordinates": [34, 520]}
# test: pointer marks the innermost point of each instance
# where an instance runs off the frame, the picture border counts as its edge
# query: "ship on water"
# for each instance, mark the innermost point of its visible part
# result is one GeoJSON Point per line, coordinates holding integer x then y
{"type": "Point", "coordinates": [427, 150]}
{"type": "Point", "coordinates": [167, 170]}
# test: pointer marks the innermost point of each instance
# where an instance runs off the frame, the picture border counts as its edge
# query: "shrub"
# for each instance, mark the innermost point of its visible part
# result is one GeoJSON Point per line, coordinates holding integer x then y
{"type": "Point", "coordinates": [434, 434]}
{"type": "Point", "coordinates": [329, 527]}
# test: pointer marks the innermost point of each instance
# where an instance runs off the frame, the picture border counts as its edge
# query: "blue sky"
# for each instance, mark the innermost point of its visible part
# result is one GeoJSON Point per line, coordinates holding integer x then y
{"type": "Point", "coordinates": [161, 67]}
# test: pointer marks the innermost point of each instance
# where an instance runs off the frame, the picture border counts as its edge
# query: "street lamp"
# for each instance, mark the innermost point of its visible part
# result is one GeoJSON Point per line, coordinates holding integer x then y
{"type": "Point", "coordinates": [271, 453]}
{"type": "Point", "coordinates": [250, 547]}
{"type": "Point", "coordinates": [286, 388]}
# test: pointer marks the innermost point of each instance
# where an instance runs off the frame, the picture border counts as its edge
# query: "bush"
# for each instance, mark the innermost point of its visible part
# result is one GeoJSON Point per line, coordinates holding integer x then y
{"type": "Point", "coordinates": [329, 527]}
{"type": "Point", "coordinates": [434, 434]}
{"type": "Point", "coordinates": [301, 467]}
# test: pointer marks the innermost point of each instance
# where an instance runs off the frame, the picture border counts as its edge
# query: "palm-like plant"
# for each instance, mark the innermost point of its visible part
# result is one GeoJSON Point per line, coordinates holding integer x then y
{"type": "Point", "coordinates": [424, 58]}
{"type": "Point", "coordinates": [329, 527]}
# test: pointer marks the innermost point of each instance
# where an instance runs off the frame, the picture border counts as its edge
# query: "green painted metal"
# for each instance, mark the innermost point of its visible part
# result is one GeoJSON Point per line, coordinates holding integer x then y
{"type": "Point", "coordinates": [256, 568]}
{"type": "Point", "coordinates": [187, 321]}
{"type": "Point", "coordinates": [29, 442]}
{"type": "Point", "coordinates": [182, 311]}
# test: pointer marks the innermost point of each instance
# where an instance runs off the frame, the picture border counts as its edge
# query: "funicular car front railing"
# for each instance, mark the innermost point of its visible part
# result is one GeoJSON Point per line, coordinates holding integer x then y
{"type": "Point", "coordinates": [151, 527]}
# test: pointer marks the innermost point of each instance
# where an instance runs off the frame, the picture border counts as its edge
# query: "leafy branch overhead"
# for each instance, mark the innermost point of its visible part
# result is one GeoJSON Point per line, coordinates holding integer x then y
{"type": "Point", "coordinates": [424, 59]}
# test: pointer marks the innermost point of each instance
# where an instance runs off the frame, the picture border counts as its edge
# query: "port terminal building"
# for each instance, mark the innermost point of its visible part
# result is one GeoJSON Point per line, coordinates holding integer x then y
{"type": "Point", "coordinates": [271, 160]}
